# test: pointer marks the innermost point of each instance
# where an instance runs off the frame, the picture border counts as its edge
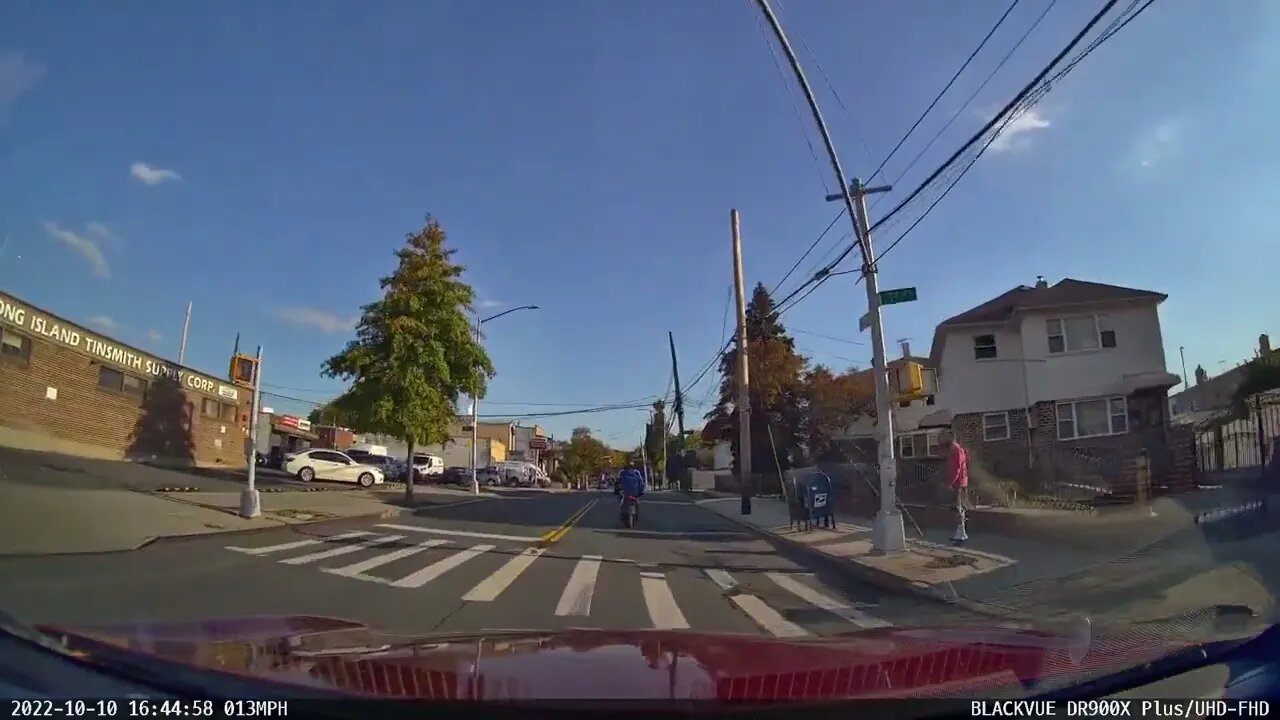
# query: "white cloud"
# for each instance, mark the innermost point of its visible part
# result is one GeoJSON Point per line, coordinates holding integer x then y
{"type": "Point", "coordinates": [490, 304]}
{"type": "Point", "coordinates": [154, 336]}
{"type": "Point", "coordinates": [86, 246]}
{"type": "Point", "coordinates": [152, 175]}
{"type": "Point", "coordinates": [103, 322]}
{"type": "Point", "coordinates": [326, 322]}
{"type": "Point", "coordinates": [1158, 143]}
{"type": "Point", "coordinates": [17, 76]}
{"type": "Point", "coordinates": [1013, 137]}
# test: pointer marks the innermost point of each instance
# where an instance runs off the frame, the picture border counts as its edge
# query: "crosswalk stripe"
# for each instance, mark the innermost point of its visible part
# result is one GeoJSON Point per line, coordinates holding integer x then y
{"type": "Point", "coordinates": [576, 598]}
{"type": "Point", "coordinates": [436, 569]}
{"type": "Point", "coordinates": [766, 617]}
{"type": "Point", "coordinates": [364, 566]}
{"type": "Point", "coordinates": [663, 611]}
{"type": "Point", "coordinates": [459, 533]}
{"type": "Point", "coordinates": [343, 550]}
{"type": "Point", "coordinates": [491, 587]}
{"type": "Point", "coordinates": [817, 599]}
{"type": "Point", "coordinates": [721, 578]}
{"type": "Point", "coordinates": [297, 544]}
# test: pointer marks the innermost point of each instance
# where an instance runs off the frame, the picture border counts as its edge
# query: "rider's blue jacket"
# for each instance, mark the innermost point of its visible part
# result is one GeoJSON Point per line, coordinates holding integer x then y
{"type": "Point", "coordinates": [631, 482]}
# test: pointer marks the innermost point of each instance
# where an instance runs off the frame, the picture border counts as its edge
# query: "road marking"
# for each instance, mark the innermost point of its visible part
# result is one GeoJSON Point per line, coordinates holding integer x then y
{"type": "Point", "coordinates": [576, 598]}
{"type": "Point", "coordinates": [682, 533]}
{"type": "Point", "coordinates": [663, 611]}
{"type": "Point", "coordinates": [766, 617]}
{"type": "Point", "coordinates": [343, 550]}
{"type": "Point", "coordinates": [364, 566]}
{"type": "Point", "coordinates": [459, 533]}
{"type": "Point", "coordinates": [817, 599]}
{"type": "Point", "coordinates": [552, 536]}
{"type": "Point", "coordinates": [491, 587]}
{"type": "Point", "coordinates": [721, 578]}
{"type": "Point", "coordinates": [436, 569]}
{"type": "Point", "coordinates": [297, 544]}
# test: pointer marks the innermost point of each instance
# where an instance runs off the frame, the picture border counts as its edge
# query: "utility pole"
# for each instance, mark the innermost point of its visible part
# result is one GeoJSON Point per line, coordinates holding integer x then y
{"type": "Point", "coordinates": [744, 382]}
{"type": "Point", "coordinates": [475, 428]}
{"type": "Point", "coordinates": [182, 344]}
{"type": "Point", "coordinates": [887, 533]}
{"type": "Point", "coordinates": [1182, 352]}
{"type": "Point", "coordinates": [250, 500]}
{"type": "Point", "coordinates": [675, 374]}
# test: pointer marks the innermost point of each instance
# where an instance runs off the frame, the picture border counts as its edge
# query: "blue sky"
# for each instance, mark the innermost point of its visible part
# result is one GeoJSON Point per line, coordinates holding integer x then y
{"type": "Point", "coordinates": [263, 161]}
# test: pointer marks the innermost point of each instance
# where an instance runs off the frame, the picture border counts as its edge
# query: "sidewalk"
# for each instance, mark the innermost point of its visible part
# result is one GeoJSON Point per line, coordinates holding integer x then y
{"type": "Point", "coordinates": [50, 520]}
{"type": "Point", "coordinates": [1180, 571]}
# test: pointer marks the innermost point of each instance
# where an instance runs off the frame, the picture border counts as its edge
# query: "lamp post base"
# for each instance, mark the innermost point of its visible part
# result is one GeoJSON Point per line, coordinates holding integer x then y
{"type": "Point", "coordinates": [887, 532]}
{"type": "Point", "coordinates": [250, 503]}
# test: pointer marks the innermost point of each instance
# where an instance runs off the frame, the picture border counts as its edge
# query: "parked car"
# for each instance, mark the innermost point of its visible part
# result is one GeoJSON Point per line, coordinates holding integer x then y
{"type": "Point", "coordinates": [489, 476]}
{"type": "Point", "coordinates": [316, 464]}
{"type": "Point", "coordinates": [425, 467]}
{"type": "Point", "coordinates": [392, 468]}
{"type": "Point", "coordinates": [457, 475]}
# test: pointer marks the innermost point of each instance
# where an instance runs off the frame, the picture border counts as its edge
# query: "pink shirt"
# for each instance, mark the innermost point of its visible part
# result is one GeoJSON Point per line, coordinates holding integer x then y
{"type": "Point", "coordinates": [958, 466]}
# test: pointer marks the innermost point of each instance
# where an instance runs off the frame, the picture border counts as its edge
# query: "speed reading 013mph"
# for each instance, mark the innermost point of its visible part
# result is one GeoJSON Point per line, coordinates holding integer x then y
{"type": "Point", "coordinates": [148, 708]}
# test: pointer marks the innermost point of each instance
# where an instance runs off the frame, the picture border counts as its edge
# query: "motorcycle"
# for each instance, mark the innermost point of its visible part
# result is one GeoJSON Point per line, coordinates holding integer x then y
{"type": "Point", "coordinates": [630, 511]}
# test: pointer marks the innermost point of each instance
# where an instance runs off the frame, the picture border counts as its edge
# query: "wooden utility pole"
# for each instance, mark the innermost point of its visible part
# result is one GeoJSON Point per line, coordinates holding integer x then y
{"type": "Point", "coordinates": [182, 344]}
{"type": "Point", "coordinates": [744, 382]}
{"type": "Point", "coordinates": [681, 469]}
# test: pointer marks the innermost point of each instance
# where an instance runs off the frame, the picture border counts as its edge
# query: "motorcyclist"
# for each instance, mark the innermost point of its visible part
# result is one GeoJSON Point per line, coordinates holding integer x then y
{"type": "Point", "coordinates": [630, 484]}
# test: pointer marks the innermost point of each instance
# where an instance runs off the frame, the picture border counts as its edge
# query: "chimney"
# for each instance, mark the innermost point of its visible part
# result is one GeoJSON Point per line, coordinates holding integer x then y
{"type": "Point", "coordinates": [1264, 345]}
{"type": "Point", "coordinates": [1040, 283]}
{"type": "Point", "coordinates": [906, 348]}
{"type": "Point", "coordinates": [1201, 375]}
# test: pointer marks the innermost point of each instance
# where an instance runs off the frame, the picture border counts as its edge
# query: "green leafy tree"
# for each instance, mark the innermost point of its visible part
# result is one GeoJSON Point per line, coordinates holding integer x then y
{"type": "Point", "coordinates": [584, 456]}
{"type": "Point", "coordinates": [777, 390]}
{"type": "Point", "coordinates": [414, 353]}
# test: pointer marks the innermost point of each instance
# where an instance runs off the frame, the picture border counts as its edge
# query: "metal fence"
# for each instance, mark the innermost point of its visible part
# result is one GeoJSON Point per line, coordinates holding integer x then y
{"type": "Point", "coordinates": [1244, 443]}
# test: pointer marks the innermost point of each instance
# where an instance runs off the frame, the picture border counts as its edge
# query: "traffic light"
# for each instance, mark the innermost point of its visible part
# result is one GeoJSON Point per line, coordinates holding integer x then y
{"type": "Point", "coordinates": [244, 370]}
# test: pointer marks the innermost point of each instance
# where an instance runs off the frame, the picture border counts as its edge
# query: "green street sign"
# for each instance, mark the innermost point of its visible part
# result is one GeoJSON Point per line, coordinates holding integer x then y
{"type": "Point", "coordinates": [901, 295]}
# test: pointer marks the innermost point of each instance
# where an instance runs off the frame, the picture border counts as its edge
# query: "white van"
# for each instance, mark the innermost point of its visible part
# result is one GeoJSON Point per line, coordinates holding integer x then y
{"type": "Point", "coordinates": [424, 464]}
{"type": "Point", "coordinates": [519, 473]}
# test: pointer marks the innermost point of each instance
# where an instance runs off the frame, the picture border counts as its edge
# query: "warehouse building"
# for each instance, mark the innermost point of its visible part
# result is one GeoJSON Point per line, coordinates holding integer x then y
{"type": "Point", "coordinates": [66, 388]}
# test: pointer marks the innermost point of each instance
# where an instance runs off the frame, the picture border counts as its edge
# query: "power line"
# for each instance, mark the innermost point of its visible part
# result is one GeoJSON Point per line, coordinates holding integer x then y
{"type": "Point", "coordinates": [1022, 94]}
{"type": "Point", "coordinates": [1040, 91]}
{"type": "Point", "coordinates": [969, 101]}
{"type": "Point", "coordinates": [786, 87]}
{"type": "Point", "coordinates": [947, 87]}
{"type": "Point", "coordinates": [1003, 118]}
{"type": "Point", "coordinates": [826, 337]}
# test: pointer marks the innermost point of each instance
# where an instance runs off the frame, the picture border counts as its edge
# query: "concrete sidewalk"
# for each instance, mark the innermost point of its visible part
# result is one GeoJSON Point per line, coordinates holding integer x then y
{"type": "Point", "coordinates": [1182, 571]}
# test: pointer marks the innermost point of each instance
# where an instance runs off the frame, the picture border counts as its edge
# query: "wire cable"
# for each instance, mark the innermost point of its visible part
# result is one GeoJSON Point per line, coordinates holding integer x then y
{"type": "Point", "coordinates": [969, 101]}
{"type": "Point", "coordinates": [945, 88]}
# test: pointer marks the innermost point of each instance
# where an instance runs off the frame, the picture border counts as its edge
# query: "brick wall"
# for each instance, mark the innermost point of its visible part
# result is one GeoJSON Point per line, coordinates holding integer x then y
{"type": "Point", "coordinates": [166, 425]}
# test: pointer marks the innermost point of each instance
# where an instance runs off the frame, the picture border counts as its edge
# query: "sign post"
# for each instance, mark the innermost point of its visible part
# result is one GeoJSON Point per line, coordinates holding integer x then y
{"type": "Point", "coordinates": [250, 500]}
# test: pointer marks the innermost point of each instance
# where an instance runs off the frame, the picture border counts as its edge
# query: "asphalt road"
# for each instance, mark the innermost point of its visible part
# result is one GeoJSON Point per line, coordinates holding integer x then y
{"type": "Point", "coordinates": [531, 560]}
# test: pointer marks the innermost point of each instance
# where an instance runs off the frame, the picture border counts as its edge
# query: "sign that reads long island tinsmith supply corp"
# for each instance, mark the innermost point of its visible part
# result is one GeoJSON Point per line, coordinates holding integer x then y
{"type": "Point", "coordinates": [76, 338]}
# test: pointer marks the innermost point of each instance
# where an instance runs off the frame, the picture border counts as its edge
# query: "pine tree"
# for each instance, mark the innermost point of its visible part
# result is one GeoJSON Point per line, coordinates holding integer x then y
{"type": "Point", "coordinates": [776, 389]}
{"type": "Point", "coordinates": [414, 352]}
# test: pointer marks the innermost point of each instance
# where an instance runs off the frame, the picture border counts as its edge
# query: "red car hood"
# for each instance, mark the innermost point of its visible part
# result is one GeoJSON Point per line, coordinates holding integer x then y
{"type": "Point", "coordinates": [324, 653]}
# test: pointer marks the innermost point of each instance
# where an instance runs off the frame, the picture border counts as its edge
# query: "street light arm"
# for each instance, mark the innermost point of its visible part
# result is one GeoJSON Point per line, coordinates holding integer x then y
{"type": "Point", "coordinates": [508, 312]}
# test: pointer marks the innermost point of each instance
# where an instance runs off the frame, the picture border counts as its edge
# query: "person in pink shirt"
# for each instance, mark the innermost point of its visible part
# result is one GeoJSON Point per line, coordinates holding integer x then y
{"type": "Point", "coordinates": [956, 474]}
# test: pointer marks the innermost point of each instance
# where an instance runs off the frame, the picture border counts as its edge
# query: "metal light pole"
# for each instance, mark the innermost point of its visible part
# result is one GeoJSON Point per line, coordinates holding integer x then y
{"type": "Point", "coordinates": [888, 533]}
{"type": "Point", "coordinates": [475, 401]}
{"type": "Point", "coordinates": [250, 500]}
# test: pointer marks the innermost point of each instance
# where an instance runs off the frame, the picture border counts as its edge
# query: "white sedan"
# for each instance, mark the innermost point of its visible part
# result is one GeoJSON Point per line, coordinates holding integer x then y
{"type": "Point", "coordinates": [318, 464]}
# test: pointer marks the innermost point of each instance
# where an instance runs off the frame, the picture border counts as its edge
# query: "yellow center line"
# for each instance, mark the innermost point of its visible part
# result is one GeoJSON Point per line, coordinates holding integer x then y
{"type": "Point", "coordinates": [552, 536]}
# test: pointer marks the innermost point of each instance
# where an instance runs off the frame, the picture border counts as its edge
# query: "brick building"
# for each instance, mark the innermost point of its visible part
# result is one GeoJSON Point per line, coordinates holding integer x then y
{"type": "Point", "coordinates": [65, 386]}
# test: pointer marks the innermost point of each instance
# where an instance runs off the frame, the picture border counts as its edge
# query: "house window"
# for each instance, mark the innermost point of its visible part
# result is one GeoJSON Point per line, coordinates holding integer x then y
{"type": "Point", "coordinates": [931, 444]}
{"type": "Point", "coordinates": [1092, 418]}
{"type": "Point", "coordinates": [984, 347]}
{"type": "Point", "coordinates": [116, 381]}
{"type": "Point", "coordinates": [918, 445]}
{"type": "Point", "coordinates": [995, 426]}
{"type": "Point", "coordinates": [1073, 334]}
{"type": "Point", "coordinates": [906, 446]}
{"type": "Point", "coordinates": [228, 413]}
{"type": "Point", "coordinates": [13, 345]}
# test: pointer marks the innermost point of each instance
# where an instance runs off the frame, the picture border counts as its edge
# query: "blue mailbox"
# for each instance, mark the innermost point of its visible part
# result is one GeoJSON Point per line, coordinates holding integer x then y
{"type": "Point", "coordinates": [813, 500]}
